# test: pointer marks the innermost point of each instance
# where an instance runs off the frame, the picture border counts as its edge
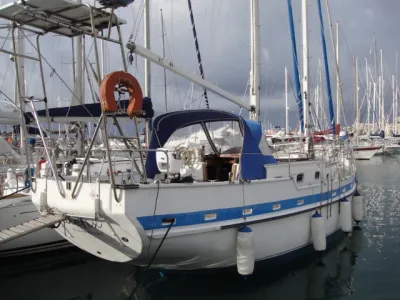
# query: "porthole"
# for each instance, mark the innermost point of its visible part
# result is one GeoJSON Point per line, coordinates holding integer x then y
{"type": "Point", "coordinates": [300, 177]}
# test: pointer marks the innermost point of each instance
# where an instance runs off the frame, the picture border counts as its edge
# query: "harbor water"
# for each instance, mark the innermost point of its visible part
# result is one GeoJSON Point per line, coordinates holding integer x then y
{"type": "Point", "coordinates": [363, 266]}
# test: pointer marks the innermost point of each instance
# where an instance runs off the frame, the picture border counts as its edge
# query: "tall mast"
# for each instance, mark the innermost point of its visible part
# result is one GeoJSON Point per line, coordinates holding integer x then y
{"type": "Point", "coordinates": [78, 96]}
{"type": "Point", "coordinates": [78, 70]}
{"type": "Point", "coordinates": [165, 71]}
{"type": "Point", "coordinates": [255, 61]}
{"type": "Point", "coordinates": [374, 108]}
{"type": "Point", "coordinates": [286, 103]}
{"type": "Point", "coordinates": [103, 59]}
{"type": "Point", "coordinates": [299, 100]}
{"type": "Point", "coordinates": [382, 103]}
{"type": "Point", "coordinates": [20, 87]}
{"type": "Point", "coordinates": [328, 83]}
{"type": "Point", "coordinates": [337, 76]}
{"type": "Point", "coordinates": [357, 96]}
{"type": "Point", "coordinates": [368, 96]}
{"type": "Point", "coordinates": [339, 92]}
{"type": "Point", "coordinates": [393, 103]}
{"type": "Point", "coordinates": [317, 97]}
{"type": "Point", "coordinates": [396, 100]}
{"type": "Point", "coordinates": [379, 103]}
{"type": "Point", "coordinates": [319, 90]}
{"type": "Point", "coordinates": [376, 83]}
{"type": "Point", "coordinates": [305, 85]}
{"type": "Point", "coordinates": [147, 70]}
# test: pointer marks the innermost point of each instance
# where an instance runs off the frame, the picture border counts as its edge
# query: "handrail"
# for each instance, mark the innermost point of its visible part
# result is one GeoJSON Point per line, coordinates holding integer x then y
{"type": "Point", "coordinates": [87, 156]}
{"type": "Point", "coordinates": [144, 150]}
{"type": "Point", "coordinates": [111, 173]}
{"type": "Point", "coordinates": [60, 190]}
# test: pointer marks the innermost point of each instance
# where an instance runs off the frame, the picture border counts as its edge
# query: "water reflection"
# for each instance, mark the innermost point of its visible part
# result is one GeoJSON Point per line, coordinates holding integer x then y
{"type": "Point", "coordinates": [327, 277]}
{"type": "Point", "coordinates": [66, 275]}
{"type": "Point", "coordinates": [75, 275]}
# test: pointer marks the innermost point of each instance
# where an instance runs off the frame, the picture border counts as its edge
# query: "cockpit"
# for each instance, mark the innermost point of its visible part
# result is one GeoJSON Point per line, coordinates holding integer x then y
{"type": "Point", "coordinates": [209, 151]}
{"type": "Point", "coordinates": [206, 145]}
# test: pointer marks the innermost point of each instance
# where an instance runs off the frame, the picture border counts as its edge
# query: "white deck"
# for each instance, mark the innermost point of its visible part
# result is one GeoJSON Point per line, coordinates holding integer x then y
{"type": "Point", "coordinates": [57, 16]}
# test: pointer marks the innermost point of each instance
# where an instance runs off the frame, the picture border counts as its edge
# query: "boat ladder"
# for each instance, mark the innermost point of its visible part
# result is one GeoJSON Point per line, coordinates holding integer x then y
{"type": "Point", "coordinates": [26, 228]}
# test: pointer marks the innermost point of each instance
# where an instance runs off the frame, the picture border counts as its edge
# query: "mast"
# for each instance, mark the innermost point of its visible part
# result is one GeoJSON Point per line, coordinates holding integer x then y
{"type": "Point", "coordinates": [305, 85]}
{"type": "Point", "coordinates": [317, 97]}
{"type": "Point", "coordinates": [382, 103]}
{"type": "Point", "coordinates": [165, 71]}
{"type": "Point", "coordinates": [286, 103]}
{"type": "Point", "coordinates": [196, 42]}
{"type": "Point", "coordinates": [103, 58]}
{"type": "Point", "coordinates": [379, 104]}
{"type": "Point", "coordinates": [337, 76]}
{"type": "Point", "coordinates": [393, 103]}
{"type": "Point", "coordinates": [368, 96]}
{"type": "Point", "coordinates": [299, 100]}
{"type": "Point", "coordinates": [374, 108]}
{"type": "Point", "coordinates": [339, 92]}
{"type": "Point", "coordinates": [255, 61]}
{"type": "Point", "coordinates": [318, 92]}
{"type": "Point", "coordinates": [396, 100]}
{"type": "Point", "coordinates": [327, 76]}
{"type": "Point", "coordinates": [147, 69]}
{"type": "Point", "coordinates": [78, 95]}
{"type": "Point", "coordinates": [78, 57]}
{"type": "Point", "coordinates": [357, 96]}
{"type": "Point", "coordinates": [21, 86]}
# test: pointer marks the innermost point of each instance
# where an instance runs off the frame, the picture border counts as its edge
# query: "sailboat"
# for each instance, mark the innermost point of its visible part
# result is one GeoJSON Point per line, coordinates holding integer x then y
{"type": "Point", "coordinates": [184, 208]}
{"type": "Point", "coordinates": [362, 150]}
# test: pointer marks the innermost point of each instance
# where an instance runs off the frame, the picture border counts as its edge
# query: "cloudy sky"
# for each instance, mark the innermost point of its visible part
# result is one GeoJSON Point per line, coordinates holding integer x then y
{"type": "Point", "coordinates": [223, 33]}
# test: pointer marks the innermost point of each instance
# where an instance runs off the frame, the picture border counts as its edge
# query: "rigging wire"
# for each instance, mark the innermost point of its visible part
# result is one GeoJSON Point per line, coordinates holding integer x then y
{"type": "Point", "coordinates": [196, 43]}
{"type": "Point", "coordinates": [138, 20]}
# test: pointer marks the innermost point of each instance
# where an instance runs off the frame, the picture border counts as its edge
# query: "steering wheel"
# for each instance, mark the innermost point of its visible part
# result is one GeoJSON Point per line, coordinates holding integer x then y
{"type": "Point", "coordinates": [187, 155]}
{"type": "Point", "coordinates": [178, 149]}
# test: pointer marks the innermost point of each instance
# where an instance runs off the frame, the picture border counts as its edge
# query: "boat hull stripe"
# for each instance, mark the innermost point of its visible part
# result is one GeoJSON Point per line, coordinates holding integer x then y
{"type": "Point", "coordinates": [232, 213]}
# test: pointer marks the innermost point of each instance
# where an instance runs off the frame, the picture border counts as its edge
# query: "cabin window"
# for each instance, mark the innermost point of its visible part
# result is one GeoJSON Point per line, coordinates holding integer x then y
{"type": "Point", "coordinates": [317, 175]}
{"type": "Point", "coordinates": [300, 177]}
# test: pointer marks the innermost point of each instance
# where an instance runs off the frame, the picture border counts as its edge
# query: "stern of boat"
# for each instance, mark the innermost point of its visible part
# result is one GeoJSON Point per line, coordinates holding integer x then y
{"type": "Point", "coordinates": [93, 222]}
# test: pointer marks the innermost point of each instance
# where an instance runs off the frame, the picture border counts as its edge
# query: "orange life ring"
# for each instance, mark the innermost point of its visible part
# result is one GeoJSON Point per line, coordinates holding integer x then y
{"type": "Point", "coordinates": [124, 79]}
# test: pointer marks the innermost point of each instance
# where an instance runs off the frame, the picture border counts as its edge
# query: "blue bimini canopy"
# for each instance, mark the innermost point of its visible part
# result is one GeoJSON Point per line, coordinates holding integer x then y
{"type": "Point", "coordinates": [115, 3]}
{"type": "Point", "coordinates": [255, 151]}
{"type": "Point", "coordinates": [86, 112]}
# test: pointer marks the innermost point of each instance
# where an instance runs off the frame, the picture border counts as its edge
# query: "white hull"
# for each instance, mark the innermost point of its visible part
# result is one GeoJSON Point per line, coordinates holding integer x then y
{"type": "Point", "coordinates": [16, 211]}
{"type": "Point", "coordinates": [366, 153]}
{"type": "Point", "coordinates": [207, 216]}
{"type": "Point", "coordinates": [392, 149]}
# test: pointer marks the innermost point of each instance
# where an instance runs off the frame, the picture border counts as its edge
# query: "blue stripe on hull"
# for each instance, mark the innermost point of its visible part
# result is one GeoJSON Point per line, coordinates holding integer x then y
{"type": "Point", "coordinates": [232, 213]}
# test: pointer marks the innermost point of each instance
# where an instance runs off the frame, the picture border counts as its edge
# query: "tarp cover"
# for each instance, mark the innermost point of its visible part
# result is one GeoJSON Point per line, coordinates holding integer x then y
{"type": "Point", "coordinates": [115, 3]}
{"type": "Point", "coordinates": [253, 158]}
